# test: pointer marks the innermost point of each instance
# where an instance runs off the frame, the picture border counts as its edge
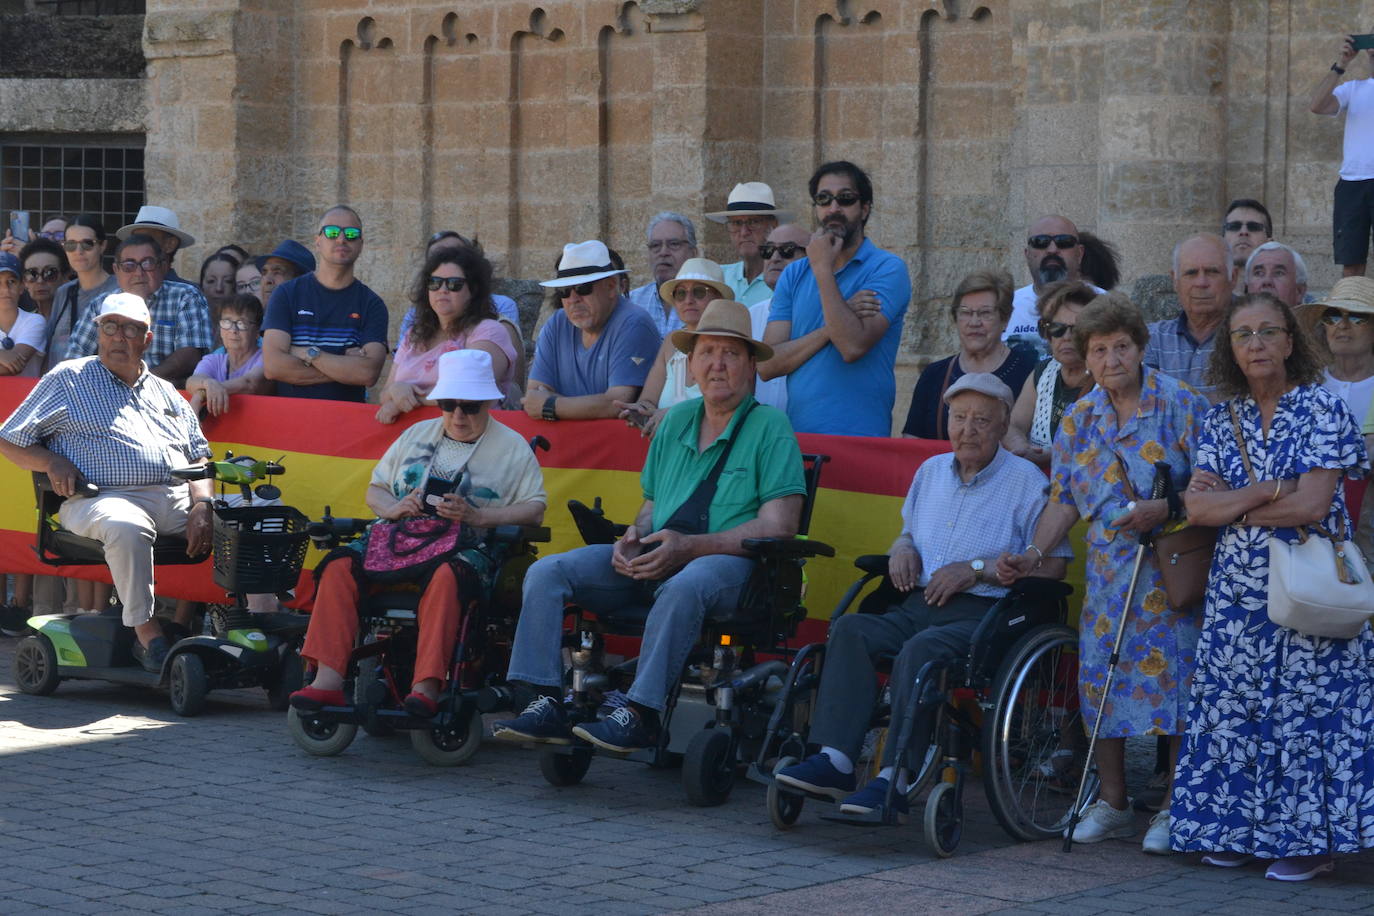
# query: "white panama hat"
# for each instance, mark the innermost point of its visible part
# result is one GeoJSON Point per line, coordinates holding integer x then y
{"type": "Point", "coordinates": [583, 262]}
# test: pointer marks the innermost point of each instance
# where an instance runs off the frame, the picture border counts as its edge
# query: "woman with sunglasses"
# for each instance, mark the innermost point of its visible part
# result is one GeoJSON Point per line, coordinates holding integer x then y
{"type": "Point", "coordinates": [464, 467]}
{"type": "Point", "coordinates": [1343, 324]}
{"type": "Point", "coordinates": [1058, 380]}
{"type": "Point", "coordinates": [237, 367]}
{"type": "Point", "coordinates": [85, 247]}
{"type": "Point", "coordinates": [453, 311]}
{"type": "Point", "coordinates": [699, 281]}
{"type": "Point", "coordinates": [45, 269]}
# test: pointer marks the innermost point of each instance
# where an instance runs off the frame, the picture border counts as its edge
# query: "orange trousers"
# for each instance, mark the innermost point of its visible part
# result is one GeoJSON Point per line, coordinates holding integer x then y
{"type": "Point", "coordinates": [334, 622]}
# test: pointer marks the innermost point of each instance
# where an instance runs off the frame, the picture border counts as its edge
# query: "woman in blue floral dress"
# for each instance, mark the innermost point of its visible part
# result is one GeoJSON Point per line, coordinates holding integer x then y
{"type": "Point", "coordinates": [1277, 761]}
{"type": "Point", "coordinates": [1104, 457]}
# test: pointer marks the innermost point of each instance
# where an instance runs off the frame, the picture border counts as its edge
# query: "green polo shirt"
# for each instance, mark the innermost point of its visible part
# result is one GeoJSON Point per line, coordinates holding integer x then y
{"type": "Point", "coordinates": [765, 464]}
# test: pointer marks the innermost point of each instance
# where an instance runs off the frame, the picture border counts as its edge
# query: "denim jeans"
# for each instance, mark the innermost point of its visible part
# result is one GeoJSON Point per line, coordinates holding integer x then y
{"type": "Point", "coordinates": [585, 577]}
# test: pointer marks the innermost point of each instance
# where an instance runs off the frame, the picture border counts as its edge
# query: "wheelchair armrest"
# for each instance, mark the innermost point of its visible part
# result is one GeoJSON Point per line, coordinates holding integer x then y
{"type": "Point", "coordinates": [1039, 588]}
{"type": "Point", "coordinates": [875, 563]}
{"type": "Point", "coordinates": [514, 534]}
{"type": "Point", "coordinates": [43, 484]}
{"type": "Point", "coordinates": [787, 548]}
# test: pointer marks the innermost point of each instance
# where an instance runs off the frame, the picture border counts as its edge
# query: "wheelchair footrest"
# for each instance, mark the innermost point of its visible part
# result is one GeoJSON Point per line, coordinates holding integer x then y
{"type": "Point", "coordinates": [882, 818]}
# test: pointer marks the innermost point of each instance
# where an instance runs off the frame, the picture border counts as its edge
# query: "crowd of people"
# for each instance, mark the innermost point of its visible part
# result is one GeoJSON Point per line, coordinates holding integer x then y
{"type": "Point", "coordinates": [1062, 406]}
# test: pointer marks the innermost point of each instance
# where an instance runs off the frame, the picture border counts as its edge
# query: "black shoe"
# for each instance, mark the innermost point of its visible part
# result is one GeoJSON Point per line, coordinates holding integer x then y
{"type": "Point", "coordinates": [543, 720]}
{"type": "Point", "coordinates": [153, 655]}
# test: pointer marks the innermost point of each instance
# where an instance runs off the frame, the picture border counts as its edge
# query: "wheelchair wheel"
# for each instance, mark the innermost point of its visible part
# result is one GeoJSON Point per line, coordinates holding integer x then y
{"type": "Point", "coordinates": [188, 684]}
{"type": "Point", "coordinates": [1034, 715]}
{"type": "Point", "coordinates": [318, 737]}
{"type": "Point", "coordinates": [708, 770]}
{"type": "Point", "coordinates": [944, 820]}
{"type": "Point", "coordinates": [35, 666]}
{"type": "Point", "coordinates": [565, 769]}
{"type": "Point", "coordinates": [451, 746]}
{"type": "Point", "coordinates": [784, 807]}
{"type": "Point", "coordinates": [290, 677]}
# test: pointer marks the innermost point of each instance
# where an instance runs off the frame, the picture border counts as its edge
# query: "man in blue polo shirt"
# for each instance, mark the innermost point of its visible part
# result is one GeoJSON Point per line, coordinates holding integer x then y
{"type": "Point", "coordinates": [839, 355]}
{"type": "Point", "coordinates": [324, 334]}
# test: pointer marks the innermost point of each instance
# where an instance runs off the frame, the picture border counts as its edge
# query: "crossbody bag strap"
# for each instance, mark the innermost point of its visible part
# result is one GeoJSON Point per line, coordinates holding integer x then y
{"type": "Point", "coordinates": [1240, 442]}
{"type": "Point", "coordinates": [698, 505]}
{"type": "Point", "coordinates": [942, 409]}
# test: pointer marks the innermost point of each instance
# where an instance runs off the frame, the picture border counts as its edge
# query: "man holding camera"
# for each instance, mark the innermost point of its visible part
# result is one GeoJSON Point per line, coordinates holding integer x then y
{"type": "Point", "coordinates": [1352, 215]}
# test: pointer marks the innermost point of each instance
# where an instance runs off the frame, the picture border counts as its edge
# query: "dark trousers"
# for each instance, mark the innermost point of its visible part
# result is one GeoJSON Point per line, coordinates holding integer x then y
{"type": "Point", "coordinates": [918, 634]}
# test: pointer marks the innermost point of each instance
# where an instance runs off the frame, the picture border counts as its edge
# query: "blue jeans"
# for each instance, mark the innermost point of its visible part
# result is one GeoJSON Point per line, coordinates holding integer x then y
{"type": "Point", "coordinates": [585, 577]}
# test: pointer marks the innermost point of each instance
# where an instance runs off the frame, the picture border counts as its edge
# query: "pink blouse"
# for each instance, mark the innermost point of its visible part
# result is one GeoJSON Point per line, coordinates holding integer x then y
{"type": "Point", "coordinates": [421, 368]}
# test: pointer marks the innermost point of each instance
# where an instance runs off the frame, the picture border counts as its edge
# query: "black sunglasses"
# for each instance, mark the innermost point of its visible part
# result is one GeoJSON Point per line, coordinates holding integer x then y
{"type": "Point", "coordinates": [1063, 241]}
{"type": "Point", "coordinates": [582, 289]}
{"type": "Point", "coordinates": [844, 198]}
{"type": "Point", "coordinates": [1057, 329]}
{"type": "Point", "coordinates": [83, 244]}
{"type": "Point", "coordinates": [1333, 316]}
{"type": "Point", "coordinates": [34, 274]}
{"type": "Point", "coordinates": [788, 250]}
{"type": "Point", "coordinates": [468, 408]}
{"type": "Point", "coordinates": [452, 284]}
{"type": "Point", "coordinates": [1235, 226]}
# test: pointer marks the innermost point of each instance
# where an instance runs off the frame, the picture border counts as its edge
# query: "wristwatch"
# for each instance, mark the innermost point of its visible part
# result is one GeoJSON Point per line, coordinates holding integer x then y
{"type": "Point", "coordinates": [1338, 69]}
{"type": "Point", "coordinates": [978, 566]}
{"type": "Point", "coordinates": [549, 412]}
{"type": "Point", "coordinates": [311, 354]}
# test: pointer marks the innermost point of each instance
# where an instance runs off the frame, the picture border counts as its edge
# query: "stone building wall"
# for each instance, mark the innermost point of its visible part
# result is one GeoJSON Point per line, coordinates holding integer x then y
{"type": "Point", "coordinates": [535, 123]}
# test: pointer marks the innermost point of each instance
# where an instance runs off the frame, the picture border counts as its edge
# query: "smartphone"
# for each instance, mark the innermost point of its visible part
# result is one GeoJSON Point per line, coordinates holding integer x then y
{"type": "Point", "coordinates": [19, 225]}
{"type": "Point", "coordinates": [1362, 42]}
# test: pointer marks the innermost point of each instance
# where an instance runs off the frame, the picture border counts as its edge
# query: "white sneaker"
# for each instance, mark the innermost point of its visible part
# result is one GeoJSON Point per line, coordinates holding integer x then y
{"type": "Point", "coordinates": [1103, 822]}
{"type": "Point", "coordinates": [1157, 837]}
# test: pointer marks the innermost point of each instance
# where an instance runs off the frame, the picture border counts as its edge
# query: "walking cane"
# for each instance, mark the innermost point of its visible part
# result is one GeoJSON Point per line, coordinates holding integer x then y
{"type": "Point", "coordinates": [1158, 488]}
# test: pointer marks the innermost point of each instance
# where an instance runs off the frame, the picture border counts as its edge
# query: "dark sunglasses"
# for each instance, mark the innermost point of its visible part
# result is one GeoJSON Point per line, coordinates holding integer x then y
{"type": "Point", "coordinates": [582, 289]}
{"type": "Point", "coordinates": [787, 250]}
{"type": "Point", "coordinates": [1063, 241]}
{"type": "Point", "coordinates": [350, 233]}
{"type": "Point", "coordinates": [1235, 226]}
{"type": "Point", "coordinates": [34, 274]}
{"type": "Point", "coordinates": [844, 199]}
{"type": "Point", "coordinates": [1334, 316]}
{"type": "Point", "coordinates": [698, 291]}
{"type": "Point", "coordinates": [57, 236]}
{"type": "Point", "coordinates": [1057, 329]}
{"type": "Point", "coordinates": [467, 407]}
{"type": "Point", "coordinates": [452, 284]}
{"type": "Point", "coordinates": [83, 244]}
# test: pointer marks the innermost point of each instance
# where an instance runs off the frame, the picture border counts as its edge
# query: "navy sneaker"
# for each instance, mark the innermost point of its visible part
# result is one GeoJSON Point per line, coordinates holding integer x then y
{"type": "Point", "coordinates": [543, 721]}
{"type": "Point", "coordinates": [872, 797]}
{"type": "Point", "coordinates": [622, 731]}
{"type": "Point", "coordinates": [817, 775]}
{"type": "Point", "coordinates": [151, 656]}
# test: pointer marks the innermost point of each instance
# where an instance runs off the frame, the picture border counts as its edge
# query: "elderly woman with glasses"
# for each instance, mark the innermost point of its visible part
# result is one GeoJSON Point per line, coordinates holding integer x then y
{"type": "Point", "coordinates": [1277, 763]}
{"type": "Point", "coordinates": [1343, 328]}
{"type": "Point", "coordinates": [464, 467]}
{"type": "Point", "coordinates": [453, 311]}
{"type": "Point", "coordinates": [237, 369]}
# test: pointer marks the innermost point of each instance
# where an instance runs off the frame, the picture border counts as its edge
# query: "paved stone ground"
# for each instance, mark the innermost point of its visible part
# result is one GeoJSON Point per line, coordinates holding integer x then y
{"type": "Point", "coordinates": [111, 804]}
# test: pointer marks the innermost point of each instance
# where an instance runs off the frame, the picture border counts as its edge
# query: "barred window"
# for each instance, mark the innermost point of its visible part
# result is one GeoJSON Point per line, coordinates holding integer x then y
{"type": "Point", "coordinates": [90, 7]}
{"type": "Point", "coordinates": [100, 176]}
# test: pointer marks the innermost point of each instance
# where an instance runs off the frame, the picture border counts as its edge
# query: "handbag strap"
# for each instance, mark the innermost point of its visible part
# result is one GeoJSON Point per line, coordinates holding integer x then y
{"type": "Point", "coordinates": [1240, 442]}
{"type": "Point", "coordinates": [696, 508]}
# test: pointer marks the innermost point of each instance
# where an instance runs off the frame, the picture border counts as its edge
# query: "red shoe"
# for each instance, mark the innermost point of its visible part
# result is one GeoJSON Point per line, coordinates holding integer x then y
{"type": "Point", "coordinates": [421, 706]}
{"type": "Point", "coordinates": [311, 699]}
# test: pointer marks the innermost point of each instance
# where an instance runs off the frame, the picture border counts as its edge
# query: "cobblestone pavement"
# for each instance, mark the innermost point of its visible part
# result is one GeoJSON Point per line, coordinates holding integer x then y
{"type": "Point", "coordinates": [111, 804]}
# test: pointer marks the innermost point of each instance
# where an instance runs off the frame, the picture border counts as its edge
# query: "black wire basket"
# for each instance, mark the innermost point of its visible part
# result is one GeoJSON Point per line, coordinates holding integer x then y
{"type": "Point", "coordinates": [259, 549]}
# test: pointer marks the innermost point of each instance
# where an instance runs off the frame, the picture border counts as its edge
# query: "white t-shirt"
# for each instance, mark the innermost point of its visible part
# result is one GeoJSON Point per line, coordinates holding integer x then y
{"type": "Point", "coordinates": [1357, 395]}
{"type": "Point", "coordinates": [1357, 102]}
{"type": "Point", "coordinates": [29, 328]}
{"type": "Point", "coordinates": [772, 392]}
{"type": "Point", "coordinates": [1025, 322]}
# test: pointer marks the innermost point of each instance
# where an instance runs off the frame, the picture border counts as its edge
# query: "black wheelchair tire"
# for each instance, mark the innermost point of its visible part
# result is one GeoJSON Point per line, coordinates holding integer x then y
{"type": "Point", "coordinates": [35, 666]}
{"type": "Point", "coordinates": [565, 769]}
{"type": "Point", "coordinates": [188, 685]}
{"type": "Point", "coordinates": [450, 747]}
{"type": "Point", "coordinates": [289, 678]}
{"type": "Point", "coordinates": [784, 807]}
{"type": "Point", "coordinates": [708, 769]}
{"type": "Point", "coordinates": [944, 819]}
{"type": "Point", "coordinates": [318, 738]}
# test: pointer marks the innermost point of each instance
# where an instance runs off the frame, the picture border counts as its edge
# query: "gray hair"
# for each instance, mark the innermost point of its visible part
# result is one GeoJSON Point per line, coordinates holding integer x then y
{"type": "Point", "coordinates": [1225, 245]}
{"type": "Point", "coordinates": [670, 216]}
{"type": "Point", "coordinates": [1299, 267]}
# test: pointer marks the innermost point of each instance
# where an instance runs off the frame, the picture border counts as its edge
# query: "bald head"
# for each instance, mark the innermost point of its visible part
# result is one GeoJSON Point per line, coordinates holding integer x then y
{"type": "Point", "coordinates": [1053, 251]}
{"type": "Point", "coordinates": [780, 237]}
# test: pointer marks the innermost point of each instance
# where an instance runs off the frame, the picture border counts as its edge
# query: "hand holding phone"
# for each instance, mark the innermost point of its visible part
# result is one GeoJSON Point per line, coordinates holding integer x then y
{"type": "Point", "coordinates": [19, 226]}
{"type": "Point", "coordinates": [1362, 42]}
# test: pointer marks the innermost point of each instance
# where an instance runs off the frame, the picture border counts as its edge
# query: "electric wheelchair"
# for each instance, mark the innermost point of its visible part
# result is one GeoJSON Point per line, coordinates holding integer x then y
{"type": "Point", "coordinates": [1013, 699]}
{"type": "Point", "coordinates": [718, 709]}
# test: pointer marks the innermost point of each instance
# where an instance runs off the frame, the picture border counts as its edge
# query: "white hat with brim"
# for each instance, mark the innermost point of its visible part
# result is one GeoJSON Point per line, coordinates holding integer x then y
{"type": "Point", "coordinates": [124, 305]}
{"type": "Point", "coordinates": [985, 383]}
{"type": "Point", "coordinates": [160, 218]}
{"type": "Point", "coordinates": [1353, 294]}
{"type": "Point", "coordinates": [723, 318]}
{"type": "Point", "coordinates": [583, 262]}
{"type": "Point", "coordinates": [697, 270]}
{"type": "Point", "coordinates": [466, 375]}
{"type": "Point", "coordinates": [750, 198]}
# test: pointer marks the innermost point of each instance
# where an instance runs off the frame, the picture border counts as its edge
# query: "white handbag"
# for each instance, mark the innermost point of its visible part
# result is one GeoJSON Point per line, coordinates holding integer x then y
{"type": "Point", "coordinates": [1319, 586]}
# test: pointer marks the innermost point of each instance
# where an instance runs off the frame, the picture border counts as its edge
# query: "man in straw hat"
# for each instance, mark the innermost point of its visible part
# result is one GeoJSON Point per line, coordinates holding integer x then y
{"type": "Point", "coordinates": [750, 214]}
{"type": "Point", "coordinates": [964, 510]}
{"type": "Point", "coordinates": [595, 350]}
{"type": "Point", "coordinates": [683, 555]}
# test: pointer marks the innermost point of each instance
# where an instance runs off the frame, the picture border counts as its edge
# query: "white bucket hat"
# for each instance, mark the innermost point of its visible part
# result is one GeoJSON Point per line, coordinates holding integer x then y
{"type": "Point", "coordinates": [583, 262]}
{"type": "Point", "coordinates": [750, 198]}
{"type": "Point", "coordinates": [150, 217]}
{"type": "Point", "coordinates": [697, 270]}
{"type": "Point", "coordinates": [466, 375]}
{"type": "Point", "coordinates": [125, 305]}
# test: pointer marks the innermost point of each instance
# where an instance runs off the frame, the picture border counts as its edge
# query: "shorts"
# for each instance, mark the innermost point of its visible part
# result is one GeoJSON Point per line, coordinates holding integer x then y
{"type": "Point", "coordinates": [1352, 217]}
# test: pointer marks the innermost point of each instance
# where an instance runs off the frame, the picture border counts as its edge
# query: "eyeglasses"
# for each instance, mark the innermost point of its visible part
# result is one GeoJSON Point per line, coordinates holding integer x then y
{"type": "Point", "coordinates": [349, 233]}
{"type": "Point", "coordinates": [249, 286]}
{"type": "Point", "coordinates": [844, 198]}
{"type": "Point", "coordinates": [82, 244]}
{"type": "Point", "coordinates": [1241, 336]}
{"type": "Point", "coordinates": [467, 407]}
{"type": "Point", "coordinates": [235, 324]}
{"type": "Point", "coordinates": [34, 274]}
{"type": "Point", "coordinates": [1334, 316]}
{"type": "Point", "coordinates": [1064, 241]}
{"type": "Point", "coordinates": [1057, 329]}
{"type": "Point", "coordinates": [128, 266]}
{"type": "Point", "coordinates": [1249, 224]}
{"type": "Point", "coordinates": [452, 284]}
{"type": "Point", "coordinates": [747, 222]}
{"type": "Point", "coordinates": [130, 331]}
{"type": "Point", "coordinates": [582, 289]}
{"type": "Point", "coordinates": [983, 315]}
{"type": "Point", "coordinates": [681, 292]}
{"type": "Point", "coordinates": [786, 250]}
{"type": "Point", "coordinates": [57, 236]}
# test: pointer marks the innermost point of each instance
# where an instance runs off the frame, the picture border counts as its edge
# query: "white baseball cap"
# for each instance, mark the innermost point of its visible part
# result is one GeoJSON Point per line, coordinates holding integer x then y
{"type": "Point", "coordinates": [125, 305]}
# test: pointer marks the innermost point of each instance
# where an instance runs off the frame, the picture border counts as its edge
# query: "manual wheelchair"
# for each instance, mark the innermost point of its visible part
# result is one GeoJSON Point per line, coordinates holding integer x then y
{"type": "Point", "coordinates": [1013, 698]}
{"type": "Point", "coordinates": [719, 707]}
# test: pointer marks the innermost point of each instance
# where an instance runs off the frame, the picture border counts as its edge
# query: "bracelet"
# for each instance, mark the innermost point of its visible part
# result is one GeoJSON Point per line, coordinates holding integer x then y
{"type": "Point", "coordinates": [203, 499]}
{"type": "Point", "coordinates": [1040, 553]}
{"type": "Point", "coordinates": [1278, 484]}
{"type": "Point", "coordinates": [1338, 69]}
{"type": "Point", "coordinates": [549, 412]}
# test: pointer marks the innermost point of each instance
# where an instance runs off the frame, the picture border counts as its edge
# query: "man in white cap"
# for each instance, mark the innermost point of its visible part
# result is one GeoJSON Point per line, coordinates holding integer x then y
{"type": "Point", "coordinates": [750, 214]}
{"type": "Point", "coordinates": [162, 225]}
{"type": "Point", "coordinates": [596, 349]}
{"type": "Point", "coordinates": [964, 510]}
{"type": "Point", "coordinates": [672, 240]}
{"type": "Point", "coordinates": [109, 421]}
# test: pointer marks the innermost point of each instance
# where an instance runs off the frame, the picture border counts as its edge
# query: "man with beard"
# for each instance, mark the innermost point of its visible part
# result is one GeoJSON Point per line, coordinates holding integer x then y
{"type": "Point", "coordinates": [1203, 275]}
{"type": "Point", "coordinates": [1054, 252]}
{"type": "Point", "coordinates": [839, 357]}
{"type": "Point", "coordinates": [672, 239]}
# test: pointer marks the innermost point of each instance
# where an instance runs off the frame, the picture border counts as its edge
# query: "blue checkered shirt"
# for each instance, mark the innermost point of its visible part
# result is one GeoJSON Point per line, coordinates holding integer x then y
{"type": "Point", "coordinates": [181, 318]}
{"type": "Point", "coordinates": [950, 521]}
{"type": "Point", "coordinates": [117, 435]}
{"type": "Point", "coordinates": [647, 298]}
{"type": "Point", "coordinates": [1173, 351]}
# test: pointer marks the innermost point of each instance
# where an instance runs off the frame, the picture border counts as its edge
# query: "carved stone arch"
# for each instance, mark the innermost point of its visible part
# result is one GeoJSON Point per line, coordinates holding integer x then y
{"type": "Point", "coordinates": [368, 37]}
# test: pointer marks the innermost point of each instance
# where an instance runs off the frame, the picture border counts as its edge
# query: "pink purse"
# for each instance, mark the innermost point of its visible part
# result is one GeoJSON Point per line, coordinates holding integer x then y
{"type": "Point", "coordinates": [408, 549]}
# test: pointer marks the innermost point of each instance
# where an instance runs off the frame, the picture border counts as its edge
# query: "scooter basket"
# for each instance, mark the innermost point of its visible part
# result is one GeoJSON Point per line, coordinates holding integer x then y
{"type": "Point", "coordinates": [259, 549]}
